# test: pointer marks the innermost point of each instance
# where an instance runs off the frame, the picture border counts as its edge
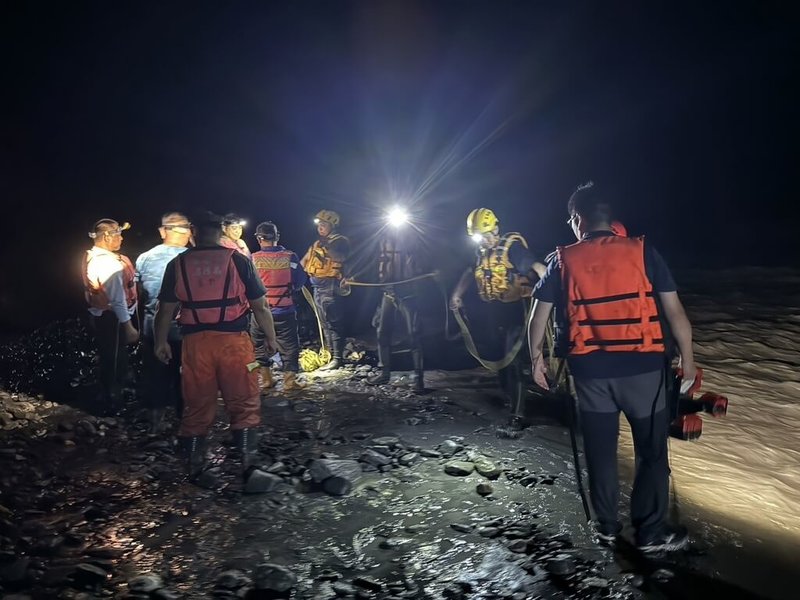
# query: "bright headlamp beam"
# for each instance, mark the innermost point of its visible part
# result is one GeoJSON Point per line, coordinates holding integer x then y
{"type": "Point", "coordinates": [477, 238]}
{"type": "Point", "coordinates": [397, 216]}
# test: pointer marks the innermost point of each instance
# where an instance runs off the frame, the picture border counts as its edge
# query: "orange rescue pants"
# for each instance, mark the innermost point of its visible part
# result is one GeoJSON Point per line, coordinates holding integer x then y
{"type": "Point", "coordinates": [215, 361]}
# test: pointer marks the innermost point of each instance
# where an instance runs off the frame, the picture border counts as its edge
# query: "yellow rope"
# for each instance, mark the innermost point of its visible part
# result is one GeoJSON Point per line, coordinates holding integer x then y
{"type": "Point", "coordinates": [311, 360]}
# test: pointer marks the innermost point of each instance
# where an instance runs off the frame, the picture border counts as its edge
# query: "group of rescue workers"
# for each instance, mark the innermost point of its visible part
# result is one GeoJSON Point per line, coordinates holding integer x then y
{"type": "Point", "coordinates": [214, 315]}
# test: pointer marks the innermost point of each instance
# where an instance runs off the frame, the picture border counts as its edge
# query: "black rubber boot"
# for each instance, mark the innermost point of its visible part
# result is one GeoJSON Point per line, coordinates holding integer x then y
{"type": "Point", "coordinates": [246, 441]}
{"type": "Point", "coordinates": [193, 449]}
{"type": "Point", "coordinates": [419, 373]}
{"type": "Point", "coordinates": [381, 378]}
{"type": "Point", "coordinates": [384, 358]}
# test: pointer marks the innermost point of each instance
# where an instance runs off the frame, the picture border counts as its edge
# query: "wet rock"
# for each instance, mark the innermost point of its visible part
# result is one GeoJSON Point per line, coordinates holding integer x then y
{"type": "Point", "coordinates": [595, 582]}
{"type": "Point", "coordinates": [208, 479]}
{"type": "Point", "coordinates": [89, 574]}
{"type": "Point", "coordinates": [561, 565]}
{"type": "Point", "coordinates": [328, 575]}
{"type": "Point", "coordinates": [484, 489]}
{"type": "Point", "coordinates": [368, 583]}
{"type": "Point", "coordinates": [449, 447]}
{"type": "Point", "coordinates": [459, 468]}
{"type": "Point", "coordinates": [343, 589]}
{"type": "Point", "coordinates": [518, 546]}
{"type": "Point", "coordinates": [430, 453]}
{"type": "Point", "coordinates": [16, 571]}
{"type": "Point", "coordinates": [145, 583]}
{"type": "Point", "coordinates": [487, 468]}
{"type": "Point", "coordinates": [409, 459]}
{"type": "Point", "coordinates": [232, 580]}
{"type": "Point", "coordinates": [376, 459]}
{"type": "Point", "coordinates": [260, 482]}
{"type": "Point", "coordinates": [417, 528]}
{"type": "Point", "coordinates": [662, 575]}
{"type": "Point", "coordinates": [388, 440]}
{"type": "Point", "coordinates": [462, 528]}
{"type": "Point", "coordinates": [165, 594]}
{"type": "Point", "coordinates": [488, 532]}
{"type": "Point", "coordinates": [276, 578]}
{"type": "Point", "coordinates": [338, 476]}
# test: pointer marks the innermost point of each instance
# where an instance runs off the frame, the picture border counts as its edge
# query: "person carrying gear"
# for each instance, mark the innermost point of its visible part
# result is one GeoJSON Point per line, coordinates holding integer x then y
{"type": "Point", "coordinates": [163, 387]}
{"type": "Point", "coordinates": [505, 272]}
{"type": "Point", "coordinates": [616, 301]}
{"type": "Point", "coordinates": [398, 260]}
{"type": "Point", "coordinates": [232, 228]}
{"type": "Point", "coordinates": [110, 291]}
{"type": "Point", "coordinates": [281, 274]}
{"type": "Point", "coordinates": [323, 262]}
{"type": "Point", "coordinates": [215, 288]}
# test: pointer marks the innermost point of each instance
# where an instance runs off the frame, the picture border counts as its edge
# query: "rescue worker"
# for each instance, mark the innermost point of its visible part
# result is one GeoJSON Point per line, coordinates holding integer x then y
{"type": "Point", "coordinates": [163, 382]}
{"type": "Point", "coordinates": [504, 273]}
{"type": "Point", "coordinates": [324, 262]}
{"type": "Point", "coordinates": [616, 302]}
{"type": "Point", "coordinates": [232, 229]}
{"type": "Point", "coordinates": [282, 275]}
{"type": "Point", "coordinates": [110, 291]}
{"type": "Point", "coordinates": [398, 260]}
{"type": "Point", "coordinates": [215, 289]}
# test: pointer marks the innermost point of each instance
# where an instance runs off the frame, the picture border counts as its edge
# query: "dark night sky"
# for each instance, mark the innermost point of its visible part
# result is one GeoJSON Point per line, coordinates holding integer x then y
{"type": "Point", "coordinates": [684, 113]}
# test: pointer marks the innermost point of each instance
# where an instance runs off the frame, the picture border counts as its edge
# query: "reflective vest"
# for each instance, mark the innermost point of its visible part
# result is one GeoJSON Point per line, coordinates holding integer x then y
{"type": "Point", "coordinates": [320, 263]}
{"type": "Point", "coordinates": [275, 271]}
{"type": "Point", "coordinates": [610, 303]}
{"type": "Point", "coordinates": [497, 278]}
{"type": "Point", "coordinates": [94, 289]}
{"type": "Point", "coordinates": [209, 287]}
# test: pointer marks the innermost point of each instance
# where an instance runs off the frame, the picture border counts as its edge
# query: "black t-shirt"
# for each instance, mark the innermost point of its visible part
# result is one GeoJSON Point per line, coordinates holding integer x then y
{"type": "Point", "coordinates": [254, 289]}
{"type": "Point", "coordinates": [600, 364]}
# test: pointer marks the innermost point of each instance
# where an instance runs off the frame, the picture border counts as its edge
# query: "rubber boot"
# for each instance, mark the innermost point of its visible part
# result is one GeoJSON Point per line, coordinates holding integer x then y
{"type": "Point", "coordinates": [419, 373]}
{"type": "Point", "coordinates": [193, 449]}
{"type": "Point", "coordinates": [290, 383]}
{"type": "Point", "coordinates": [246, 441]}
{"type": "Point", "coordinates": [267, 381]}
{"type": "Point", "coordinates": [385, 358]}
{"type": "Point", "coordinates": [516, 391]}
{"type": "Point", "coordinates": [334, 363]}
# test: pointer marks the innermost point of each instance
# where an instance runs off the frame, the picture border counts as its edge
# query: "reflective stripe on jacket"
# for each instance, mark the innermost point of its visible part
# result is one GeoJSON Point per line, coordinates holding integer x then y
{"type": "Point", "coordinates": [497, 278]}
{"type": "Point", "coordinates": [275, 270]}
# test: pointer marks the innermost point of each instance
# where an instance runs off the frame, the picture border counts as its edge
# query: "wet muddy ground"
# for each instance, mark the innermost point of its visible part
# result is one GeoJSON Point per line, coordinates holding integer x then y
{"type": "Point", "coordinates": [444, 504]}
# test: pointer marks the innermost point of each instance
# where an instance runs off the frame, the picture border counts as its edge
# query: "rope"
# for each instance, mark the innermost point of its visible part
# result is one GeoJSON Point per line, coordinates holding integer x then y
{"type": "Point", "coordinates": [309, 359]}
{"type": "Point", "coordinates": [492, 365]}
{"type": "Point", "coordinates": [433, 274]}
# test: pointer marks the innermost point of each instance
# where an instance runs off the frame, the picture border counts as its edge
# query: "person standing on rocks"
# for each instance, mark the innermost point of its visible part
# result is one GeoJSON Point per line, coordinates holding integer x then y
{"type": "Point", "coordinates": [324, 263]}
{"type": "Point", "coordinates": [616, 304]}
{"type": "Point", "coordinates": [163, 382]}
{"type": "Point", "coordinates": [215, 288]}
{"type": "Point", "coordinates": [504, 273]}
{"type": "Point", "coordinates": [232, 229]}
{"type": "Point", "coordinates": [110, 291]}
{"type": "Point", "coordinates": [282, 275]}
{"type": "Point", "coordinates": [398, 260]}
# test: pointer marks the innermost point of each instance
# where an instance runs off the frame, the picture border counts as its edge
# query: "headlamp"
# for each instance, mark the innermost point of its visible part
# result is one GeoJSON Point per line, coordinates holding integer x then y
{"type": "Point", "coordinates": [118, 231]}
{"type": "Point", "coordinates": [477, 238]}
{"type": "Point", "coordinates": [316, 221]}
{"type": "Point", "coordinates": [179, 227]}
{"type": "Point", "coordinates": [397, 216]}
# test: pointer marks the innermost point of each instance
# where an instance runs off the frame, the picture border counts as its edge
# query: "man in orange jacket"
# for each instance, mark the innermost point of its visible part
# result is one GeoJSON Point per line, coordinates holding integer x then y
{"type": "Point", "coordinates": [615, 300]}
{"type": "Point", "coordinates": [108, 280]}
{"type": "Point", "coordinates": [215, 288]}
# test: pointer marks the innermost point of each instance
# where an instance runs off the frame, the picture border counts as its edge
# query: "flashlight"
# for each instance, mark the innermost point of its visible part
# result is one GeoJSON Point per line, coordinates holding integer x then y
{"type": "Point", "coordinates": [397, 216]}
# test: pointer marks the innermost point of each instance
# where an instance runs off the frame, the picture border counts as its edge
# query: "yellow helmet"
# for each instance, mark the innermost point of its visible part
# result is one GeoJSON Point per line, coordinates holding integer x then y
{"type": "Point", "coordinates": [480, 221]}
{"type": "Point", "coordinates": [328, 216]}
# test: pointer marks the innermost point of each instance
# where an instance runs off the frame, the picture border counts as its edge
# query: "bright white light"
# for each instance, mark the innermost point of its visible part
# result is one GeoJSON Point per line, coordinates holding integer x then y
{"type": "Point", "coordinates": [397, 216]}
{"type": "Point", "coordinates": [316, 221]}
{"type": "Point", "coordinates": [477, 238]}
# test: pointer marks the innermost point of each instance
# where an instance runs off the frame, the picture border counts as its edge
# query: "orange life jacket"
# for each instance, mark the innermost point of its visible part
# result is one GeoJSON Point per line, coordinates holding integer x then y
{"type": "Point", "coordinates": [275, 271]}
{"type": "Point", "coordinates": [610, 303]}
{"type": "Point", "coordinates": [209, 287]}
{"type": "Point", "coordinates": [319, 262]}
{"type": "Point", "coordinates": [94, 290]}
